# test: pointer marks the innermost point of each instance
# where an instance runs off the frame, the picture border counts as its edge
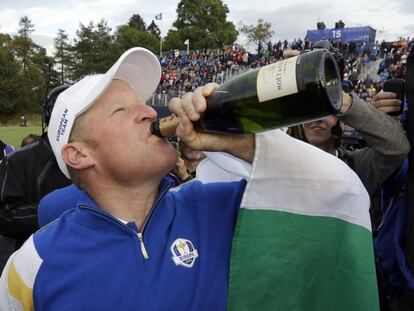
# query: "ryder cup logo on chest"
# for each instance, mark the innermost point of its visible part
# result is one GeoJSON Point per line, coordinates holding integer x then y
{"type": "Point", "coordinates": [184, 252]}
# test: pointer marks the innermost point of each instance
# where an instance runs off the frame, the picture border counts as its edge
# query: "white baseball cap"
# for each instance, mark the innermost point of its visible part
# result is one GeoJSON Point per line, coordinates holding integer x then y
{"type": "Point", "coordinates": [138, 66]}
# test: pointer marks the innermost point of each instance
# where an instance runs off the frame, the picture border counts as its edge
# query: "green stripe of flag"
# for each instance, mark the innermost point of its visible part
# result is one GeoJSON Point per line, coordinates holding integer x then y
{"type": "Point", "coordinates": [291, 262]}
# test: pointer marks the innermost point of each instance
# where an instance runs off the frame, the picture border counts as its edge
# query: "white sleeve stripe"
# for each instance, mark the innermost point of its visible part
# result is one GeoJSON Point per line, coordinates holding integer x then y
{"type": "Point", "coordinates": [27, 262]}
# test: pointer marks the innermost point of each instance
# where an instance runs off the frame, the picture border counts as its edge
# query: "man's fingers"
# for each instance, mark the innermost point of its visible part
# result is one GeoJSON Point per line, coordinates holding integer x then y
{"type": "Point", "coordinates": [290, 53]}
{"type": "Point", "coordinates": [192, 104]}
{"type": "Point", "coordinates": [209, 88]}
{"type": "Point", "coordinates": [200, 95]}
{"type": "Point", "coordinates": [386, 103]}
{"type": "Point", "coordinates": [189, 106]}
{"type": "Point", "coordinates": [385, 95]}
{"type": "Point", "coordinates": [185, 131]}
{"type": "Point", "coordinates": [184, 128]}
{"type": "Point", "coordinates": [176, 107]}
{"type": "Point", "coordinates": [389, 109]}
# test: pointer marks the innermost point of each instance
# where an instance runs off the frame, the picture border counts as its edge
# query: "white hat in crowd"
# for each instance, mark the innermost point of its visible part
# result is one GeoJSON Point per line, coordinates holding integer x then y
{"type": "Point", "coordinates": [138, 66]}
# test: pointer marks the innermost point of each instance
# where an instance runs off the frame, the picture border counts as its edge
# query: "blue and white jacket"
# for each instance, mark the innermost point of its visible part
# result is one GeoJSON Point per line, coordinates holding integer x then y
{"type": "Point", "coordinates": [89, 260]}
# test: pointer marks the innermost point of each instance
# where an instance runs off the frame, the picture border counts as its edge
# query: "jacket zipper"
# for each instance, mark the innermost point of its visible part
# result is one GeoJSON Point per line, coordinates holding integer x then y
{"type": "Point", "coordinates": [151, 212]}
{"type": "Point", "coordinates": [140, 233]}
{"type": "Point", "coordinates": [143, 249]}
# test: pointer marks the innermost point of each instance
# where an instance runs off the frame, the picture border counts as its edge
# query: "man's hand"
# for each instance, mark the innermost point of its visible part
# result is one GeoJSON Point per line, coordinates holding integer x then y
{"type": "Point", "coordinates": [290, 53]}
{"type": "Point", "coordinates": [346, 102]}
{"type": "Point", "coordinates": [386, 102]}
{"type": "Point", "coordinates": [180, 170]}
{"type": "Point", "coordinates": [189, 109]}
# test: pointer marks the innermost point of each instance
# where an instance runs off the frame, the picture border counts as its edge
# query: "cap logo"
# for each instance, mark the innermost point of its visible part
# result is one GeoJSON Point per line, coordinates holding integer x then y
{"type": "Point", "coordinates": [62, 125]}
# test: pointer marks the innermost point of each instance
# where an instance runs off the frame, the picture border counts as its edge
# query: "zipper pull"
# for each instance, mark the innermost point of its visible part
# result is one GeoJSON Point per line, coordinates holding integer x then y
{"type": "Point", "coordinates": [141, 242]}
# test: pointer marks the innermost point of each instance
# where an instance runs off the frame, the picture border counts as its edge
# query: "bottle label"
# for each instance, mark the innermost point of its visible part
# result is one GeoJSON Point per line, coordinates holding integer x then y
{"type": "Point", "coordinates": [277, 80]}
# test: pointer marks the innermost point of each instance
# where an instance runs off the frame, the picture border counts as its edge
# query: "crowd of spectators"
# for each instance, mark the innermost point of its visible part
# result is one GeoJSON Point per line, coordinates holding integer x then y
{"type": "Point", "coordinates": [183, 73]}
{"type": "Point", "coordinates": [392, 58]}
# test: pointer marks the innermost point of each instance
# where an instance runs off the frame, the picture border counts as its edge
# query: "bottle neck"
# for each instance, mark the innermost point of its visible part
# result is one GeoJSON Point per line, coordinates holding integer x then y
{"type": "Point", "coordinates": [165, 127]}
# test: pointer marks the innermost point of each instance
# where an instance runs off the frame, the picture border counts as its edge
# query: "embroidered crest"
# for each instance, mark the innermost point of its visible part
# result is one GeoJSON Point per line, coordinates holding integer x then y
{"type": "Point", "coordinates": [183, 252]}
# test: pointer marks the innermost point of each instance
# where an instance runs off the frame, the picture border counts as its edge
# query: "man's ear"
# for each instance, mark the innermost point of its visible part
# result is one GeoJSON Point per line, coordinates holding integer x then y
{"type": "Point", "coordinates": [77, 156]}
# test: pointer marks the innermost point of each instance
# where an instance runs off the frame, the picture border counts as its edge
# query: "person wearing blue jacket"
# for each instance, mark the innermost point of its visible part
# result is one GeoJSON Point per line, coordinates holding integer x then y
{"type": "Point", "coordinates": [132, 243]}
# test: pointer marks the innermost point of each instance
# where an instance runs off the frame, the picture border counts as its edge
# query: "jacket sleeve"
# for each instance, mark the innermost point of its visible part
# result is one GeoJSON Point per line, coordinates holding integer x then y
{"type": "Point", "coordinates": [18, 215]}
{"type": "Point", "coordinates": [18, 278]}
{"type": "Point", "coordinates": [387, 145]}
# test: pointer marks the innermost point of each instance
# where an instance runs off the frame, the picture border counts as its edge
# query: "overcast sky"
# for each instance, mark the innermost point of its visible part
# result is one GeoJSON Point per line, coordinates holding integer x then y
{"type": "Point", "coordinates": [290, 18]}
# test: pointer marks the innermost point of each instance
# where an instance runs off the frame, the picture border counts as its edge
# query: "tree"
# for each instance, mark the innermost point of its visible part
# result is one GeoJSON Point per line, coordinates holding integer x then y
{"type": "Point", "coordinates": [173, 40]}
{"type": "Point", "coordinates": [259, 33]}
{"type": "Point", "coordinates": [9, 77]}
{"type": "Point", "coordinates": [46, 64]}
{"type": "Point", "coordinates": [32, 74]}
{"type": "Point", "coordinates": [137, 22]}
{"type": "Point", "coordinates": [93, 50]}
{"type": "Point", "coordinates": [63, 56]}
{"type": "Point", "coordinates": [23, 43]}
{"type": "Point", "coordinates": [154, 29]}
{"type": "Point", "coordinates": [204, 23]}
{"type": "Point", "coordinates": [26, 27]}
{"type": "Point", "coordinates": [32, 90]}
{"type": "Point", "coordinates": [127, 37]}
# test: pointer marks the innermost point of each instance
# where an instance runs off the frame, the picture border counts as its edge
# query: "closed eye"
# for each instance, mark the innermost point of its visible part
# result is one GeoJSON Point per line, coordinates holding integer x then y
{"type": "Point", "coordinates": [119, 110]}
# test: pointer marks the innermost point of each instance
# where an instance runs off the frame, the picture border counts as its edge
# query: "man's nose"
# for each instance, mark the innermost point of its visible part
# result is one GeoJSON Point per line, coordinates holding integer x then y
{"type": "Point", "coordinates": [145, 113]}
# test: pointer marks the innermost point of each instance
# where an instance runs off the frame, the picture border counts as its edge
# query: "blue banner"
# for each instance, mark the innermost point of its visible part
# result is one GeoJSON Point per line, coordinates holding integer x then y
{"type": "Point", "coordinates": [357, 34]}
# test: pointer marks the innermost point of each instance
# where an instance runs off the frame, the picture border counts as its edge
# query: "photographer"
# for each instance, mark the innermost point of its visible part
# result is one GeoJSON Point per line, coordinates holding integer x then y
{"type": "Point", "coordinates": [386, 147]}
{"type": "Point", "coordinates": [386, 144]}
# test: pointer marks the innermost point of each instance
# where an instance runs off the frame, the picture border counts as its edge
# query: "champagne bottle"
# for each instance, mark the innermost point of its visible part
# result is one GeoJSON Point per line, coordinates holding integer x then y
{"type": "Point", "coordinates": [299, 89]}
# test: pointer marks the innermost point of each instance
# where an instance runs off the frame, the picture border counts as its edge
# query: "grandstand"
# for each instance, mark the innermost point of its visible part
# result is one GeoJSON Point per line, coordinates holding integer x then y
{"type": "Point", "coordinates": [183, 73]}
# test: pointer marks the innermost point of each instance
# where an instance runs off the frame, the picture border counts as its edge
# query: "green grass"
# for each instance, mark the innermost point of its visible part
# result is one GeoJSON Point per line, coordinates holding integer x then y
{"type": "Point", "coordinates": [13, 135]}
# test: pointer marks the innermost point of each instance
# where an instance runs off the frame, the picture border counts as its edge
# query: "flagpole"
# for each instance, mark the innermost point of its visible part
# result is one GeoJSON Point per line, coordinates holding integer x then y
{"type": "Point", "coordinates": [160, 46]}
{"type": "Point", "coordinates": [187, 43]}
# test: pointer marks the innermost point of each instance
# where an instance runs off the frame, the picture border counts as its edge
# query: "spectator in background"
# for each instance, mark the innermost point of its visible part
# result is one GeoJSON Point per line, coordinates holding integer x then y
{"type": "Point", "coordinates": [23, 121]}
{"type": "Point", "coordinates": [368, 82]}
{"type": "Point", "coordinates": [388, 214]}
{"type": "Point", "coordinates": [386, 147]}
{"type": "Point", "coordinates": [30, 139]}
{"type": "Point", "coordinates": [26, 176]}
{"type": "Point", "coordinates": [408, 293]}
{"type": "Point", "coordinates": [385, 75]}
{"type": "Point", "coordinates": [5, 150]}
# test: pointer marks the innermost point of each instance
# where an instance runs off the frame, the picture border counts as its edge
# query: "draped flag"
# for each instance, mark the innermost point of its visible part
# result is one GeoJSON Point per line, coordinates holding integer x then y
{"type": "Point", "coordinates": [302, 241]}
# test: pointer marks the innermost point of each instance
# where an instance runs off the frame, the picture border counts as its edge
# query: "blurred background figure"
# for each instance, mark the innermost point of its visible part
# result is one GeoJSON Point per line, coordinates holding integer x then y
{"type": "Point", "coordinates": [25, 177]}
{"type": "Point", "coordinates": [5, 150]}
{"type": "Point", "coordinates": [30, 139]}
{"type": "Point", "coordinates": [23, 121]}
